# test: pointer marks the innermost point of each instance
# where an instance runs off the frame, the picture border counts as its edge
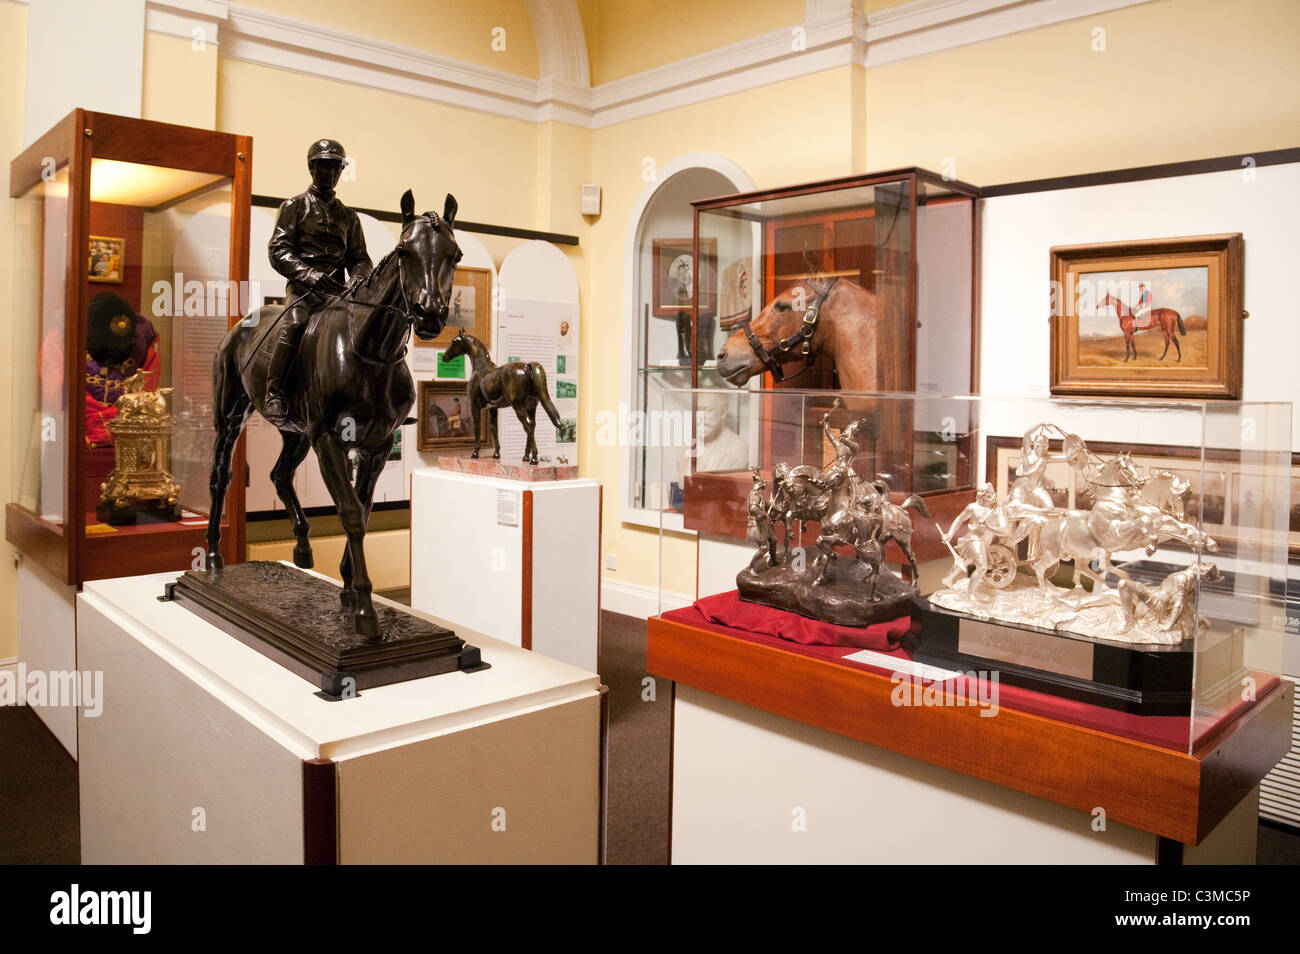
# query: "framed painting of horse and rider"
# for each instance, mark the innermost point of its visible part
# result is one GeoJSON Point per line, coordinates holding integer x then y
{"type": "Point", "coordinates": [1158, 318]}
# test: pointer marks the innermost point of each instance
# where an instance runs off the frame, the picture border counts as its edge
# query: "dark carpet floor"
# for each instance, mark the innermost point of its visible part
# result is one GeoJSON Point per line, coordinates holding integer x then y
{"type": "Point", "coordinates": [639, 732]}
{"type": "Point", "coordinates": [39, 823]}
{"type": "Point", "coordinates": [38, 781]}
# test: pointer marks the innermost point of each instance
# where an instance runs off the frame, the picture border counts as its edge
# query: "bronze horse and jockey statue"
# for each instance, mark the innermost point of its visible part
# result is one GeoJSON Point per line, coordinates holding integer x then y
{"type": "Point", "coordinates": [343, 391]}
{"type": "Point", "coordinates": [826, 583]}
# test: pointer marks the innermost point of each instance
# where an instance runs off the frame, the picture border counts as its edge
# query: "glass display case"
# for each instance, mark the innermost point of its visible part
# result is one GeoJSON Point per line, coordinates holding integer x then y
{"type": "Point", "coordinates": [1116, 565]}
{"type": "Point", "coordinates": [864, 283]}
{"type": "Point", "coordinates": [131, 263]}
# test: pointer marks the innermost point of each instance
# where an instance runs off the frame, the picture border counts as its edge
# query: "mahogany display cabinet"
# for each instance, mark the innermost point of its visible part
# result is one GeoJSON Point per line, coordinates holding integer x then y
{"type": "Point", "coordinates": [131, 258]}
{"type": "Point", "coordinates": [866, 283]}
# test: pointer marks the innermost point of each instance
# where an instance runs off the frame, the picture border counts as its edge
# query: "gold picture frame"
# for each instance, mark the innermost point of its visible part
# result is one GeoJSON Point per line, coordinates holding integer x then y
{"type": "Point", "coordinates": [672, 261]}
{"type": "Point", "coordinates": [443, 417]}
{"type": "Point", "coordinates": [106, 259]}
{"type": "Point", "coordinates": [469, 307]}
{"type": "Point", "coordinates": [1153, 318]}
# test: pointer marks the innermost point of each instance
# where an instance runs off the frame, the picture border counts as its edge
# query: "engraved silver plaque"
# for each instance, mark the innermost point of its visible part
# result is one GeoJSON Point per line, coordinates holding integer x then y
{"type": "Point", "coordinates": [1033, 650]}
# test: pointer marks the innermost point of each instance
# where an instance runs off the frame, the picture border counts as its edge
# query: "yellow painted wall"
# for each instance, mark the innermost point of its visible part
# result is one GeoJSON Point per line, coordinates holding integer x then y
{"type": "Point", "coordinates": [629, 36]}
{"type": "Point", "coordinates": [13, 67]}
{"type": "Point", "coordinates": [180, 81]}
{"type": "Point", "coordinates": [1179, 79]}
{"type": "Point", "coordinates": [453, 28]}
{"type": "Point", "coordinates": [1027, 106]}
{"type": "Point", "coordinates": [758, 130]}
{"type": "Point", "coordinates": [396, 141]}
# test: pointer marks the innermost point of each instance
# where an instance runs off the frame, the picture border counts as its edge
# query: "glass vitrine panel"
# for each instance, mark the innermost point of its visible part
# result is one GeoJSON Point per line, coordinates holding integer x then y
{"type": "Point", "coordinates": [1192, 504]}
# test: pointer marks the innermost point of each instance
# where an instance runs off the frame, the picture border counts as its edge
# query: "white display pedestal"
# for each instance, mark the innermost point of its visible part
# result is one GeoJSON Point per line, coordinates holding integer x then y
{"type": "Point", "coordinates": [47, 640]}
{"type": "Point", "coordinates": [518, 560]}
{"type": "Point", "coordinates": [208, 752]}
{"type": "Point", "coordinates": [750, 787]}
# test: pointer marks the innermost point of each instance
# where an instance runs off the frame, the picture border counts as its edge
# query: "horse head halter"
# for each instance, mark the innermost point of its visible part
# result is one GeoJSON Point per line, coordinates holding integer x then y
{"type": "Point", "coordinates": [799, 343]}
{"type": "Point", "coordinates": [400, 251]}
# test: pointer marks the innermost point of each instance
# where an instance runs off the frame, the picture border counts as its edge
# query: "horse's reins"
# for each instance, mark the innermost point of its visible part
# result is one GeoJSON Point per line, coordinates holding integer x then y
{"type": "Point", "coordinates": [801, 340]}
{"type": "Point", "coordinates": [348, 298]}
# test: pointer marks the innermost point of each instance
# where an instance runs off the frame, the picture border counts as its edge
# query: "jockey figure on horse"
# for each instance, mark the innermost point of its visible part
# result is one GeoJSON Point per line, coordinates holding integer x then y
{"type": "Point", "coordinates": [316, 239]}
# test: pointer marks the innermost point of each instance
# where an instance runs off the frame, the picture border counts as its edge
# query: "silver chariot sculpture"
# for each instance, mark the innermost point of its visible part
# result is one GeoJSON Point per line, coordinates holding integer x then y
{"type": "Point", "coordinates": [1129, 512]}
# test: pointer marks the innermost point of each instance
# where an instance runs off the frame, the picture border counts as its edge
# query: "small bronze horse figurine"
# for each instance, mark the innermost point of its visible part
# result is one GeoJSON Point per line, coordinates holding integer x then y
{"type": "Point", "coordinates": [519, 384]}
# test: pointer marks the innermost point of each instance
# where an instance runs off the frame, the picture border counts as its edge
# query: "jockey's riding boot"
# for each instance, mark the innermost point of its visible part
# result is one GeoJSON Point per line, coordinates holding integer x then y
{"type": "Point", "coordinates": [276, 409]}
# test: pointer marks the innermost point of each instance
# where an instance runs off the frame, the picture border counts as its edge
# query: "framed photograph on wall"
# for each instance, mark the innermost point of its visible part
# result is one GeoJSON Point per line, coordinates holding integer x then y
{"type": "Point", "coordinates": [672, 270]}
{"type": "Point", "coordinates": [107, 260]}
{"type": "Point", "coordinates": [444, 417]}
{"type": "Point", "coordinates": [470, 307]}
{"type": "Point", "coordinates": [1224, 491]}
{"type": "Point", "coordinates": [1157, 318]}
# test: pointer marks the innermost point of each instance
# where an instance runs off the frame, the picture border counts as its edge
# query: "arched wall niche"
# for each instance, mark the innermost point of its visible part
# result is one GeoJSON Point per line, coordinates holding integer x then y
{"type": "Point", "coordinates": [663, 211]}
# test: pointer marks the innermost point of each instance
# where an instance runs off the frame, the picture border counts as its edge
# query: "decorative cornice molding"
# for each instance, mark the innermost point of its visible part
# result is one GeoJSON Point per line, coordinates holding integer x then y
{"type": "Point", "coordinates": [834, 35]}
{"type": "Point", "coordinates": [783, 54]}
{"type": "Point", "coordinates": [561, 41]}
{"type": "Point", "coordinates": [932, 26]}
{"type": "Point", "coordinates": [180, 18]}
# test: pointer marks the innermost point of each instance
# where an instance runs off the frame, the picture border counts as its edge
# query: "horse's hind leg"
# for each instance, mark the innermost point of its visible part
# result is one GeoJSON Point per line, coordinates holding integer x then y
{"type": "Point", "coordinates": [1166, 351]}
{"type": "Point", "coordinates": [233, 407]}
{"type": "Point", "coordinates": [526, 411]}
{"type": "Point", "coordinates": [906, 547]}
{"type": "Point", "coordinates": [334, 468]}
{"type": "Point", "coordinates": [291, 456]}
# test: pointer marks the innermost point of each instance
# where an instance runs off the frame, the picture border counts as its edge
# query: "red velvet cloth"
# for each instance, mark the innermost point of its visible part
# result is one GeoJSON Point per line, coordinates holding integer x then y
{"type": "Point", "coordinates": [728, 609]}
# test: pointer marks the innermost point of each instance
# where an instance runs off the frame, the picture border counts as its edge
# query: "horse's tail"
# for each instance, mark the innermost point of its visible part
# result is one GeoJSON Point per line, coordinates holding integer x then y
{"type": "Point", "coordinates": [918, 504]}
{"type": "Point", "coordinates": [1182, 329]}
{"type": "Point", "coordinates": [538, 374]}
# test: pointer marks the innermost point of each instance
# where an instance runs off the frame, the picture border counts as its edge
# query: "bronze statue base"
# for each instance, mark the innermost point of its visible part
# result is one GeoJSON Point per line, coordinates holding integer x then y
{"type": "Point", "coordinates": [844, 601]}
{"type": "Point", "coordinates": [295, 618]}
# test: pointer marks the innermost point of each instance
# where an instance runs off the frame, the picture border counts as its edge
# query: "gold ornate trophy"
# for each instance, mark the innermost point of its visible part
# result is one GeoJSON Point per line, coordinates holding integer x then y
{"type": "Point", "coordinates": [140, 488]}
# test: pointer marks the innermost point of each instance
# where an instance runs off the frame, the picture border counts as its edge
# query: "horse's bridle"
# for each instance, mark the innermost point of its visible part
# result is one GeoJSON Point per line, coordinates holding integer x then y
{"type": "Point", "coordinates": [800, 342]}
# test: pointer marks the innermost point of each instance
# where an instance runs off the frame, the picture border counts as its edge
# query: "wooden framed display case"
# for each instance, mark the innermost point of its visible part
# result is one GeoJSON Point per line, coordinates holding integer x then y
{"type": "Point", "coordinates": [1162, 701]}
{"type": "Point", "coordinates": [131, 258]}
{"type": "Point", "coordinates": [866, 283]}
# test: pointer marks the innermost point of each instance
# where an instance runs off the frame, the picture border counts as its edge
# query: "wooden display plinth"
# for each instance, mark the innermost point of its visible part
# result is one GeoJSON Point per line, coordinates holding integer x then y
{"type": "Point", "coordinates": [1162, 791]}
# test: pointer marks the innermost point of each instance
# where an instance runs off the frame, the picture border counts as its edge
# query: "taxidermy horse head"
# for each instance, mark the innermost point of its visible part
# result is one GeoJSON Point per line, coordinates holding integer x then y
{"type": "Point", "coordinates": [834, 317]}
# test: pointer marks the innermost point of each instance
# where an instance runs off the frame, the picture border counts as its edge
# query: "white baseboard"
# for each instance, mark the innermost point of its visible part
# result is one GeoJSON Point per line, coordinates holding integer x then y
{"type": "Point", "coordinates": [641, 602]}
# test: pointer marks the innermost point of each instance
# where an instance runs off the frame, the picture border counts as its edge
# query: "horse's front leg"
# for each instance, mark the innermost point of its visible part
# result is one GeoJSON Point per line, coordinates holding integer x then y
{"type": "Point", "coordinates": [496, 436]}
{"type": "Point", "coordinates": [352, 514]}
{"type": "Point", "coordinates": [368, 470]}
{"type": "Point", "coordinates": [476, 412]}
